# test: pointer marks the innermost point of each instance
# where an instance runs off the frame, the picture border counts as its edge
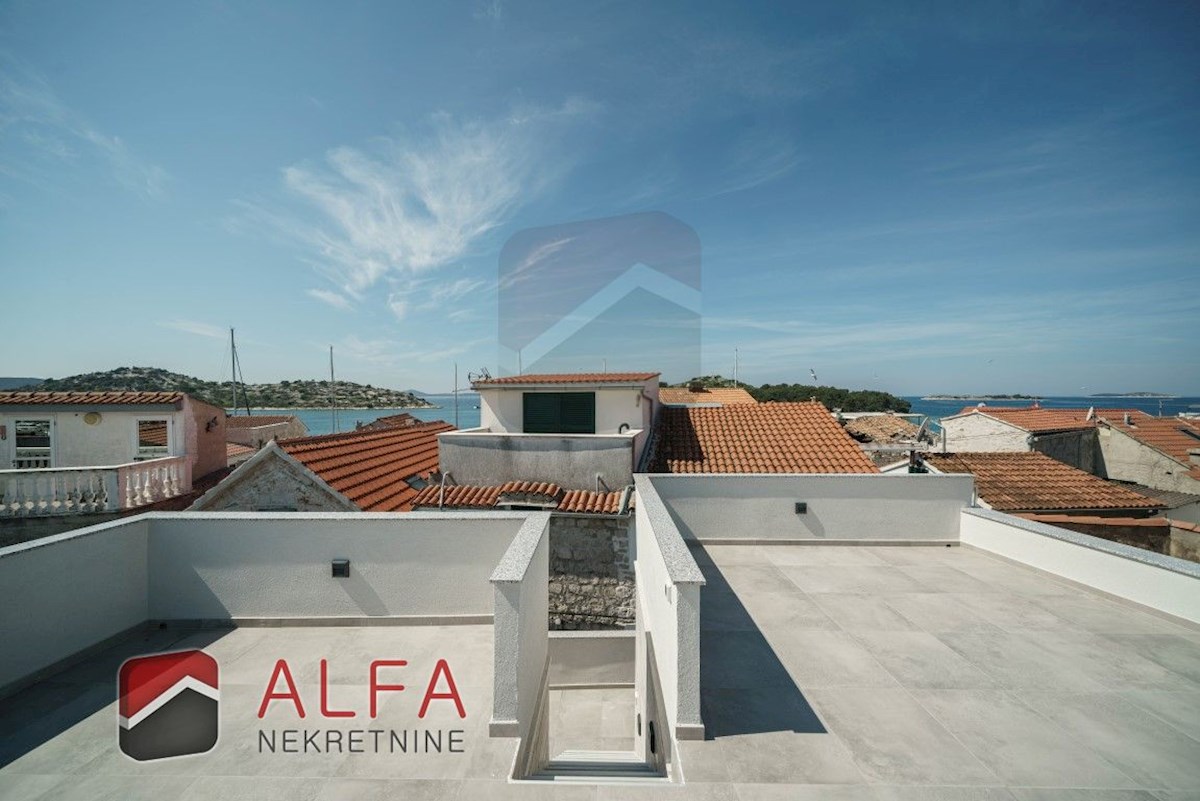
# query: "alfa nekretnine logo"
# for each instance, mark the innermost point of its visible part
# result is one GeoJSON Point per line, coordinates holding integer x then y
{"type": "Point", "coordinates": [168, 705]}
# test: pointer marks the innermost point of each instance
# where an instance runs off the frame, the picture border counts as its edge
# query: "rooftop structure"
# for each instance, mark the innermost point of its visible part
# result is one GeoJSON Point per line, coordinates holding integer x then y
{"type": "Point", "coordinates": [257, 430]}
{"type": "Point", "coordinates": [755, 438]}
{"type": "Point", "coordinates": [368, 470]}
{"type": "Point", "coordinates": [1161, 452]}
{"type": "Point", "coordinates": [578, 430]}
{"type": "Point", "coordinates": [888, 641]}
{"type": "Point", "coordinates": [1033, 482]}
{"type": "Point", "coordinates": [723, 396]}
{"type": "Point", "coordinates": [882, 428]}
{"type": "Point", "coordinates": [551, 497]}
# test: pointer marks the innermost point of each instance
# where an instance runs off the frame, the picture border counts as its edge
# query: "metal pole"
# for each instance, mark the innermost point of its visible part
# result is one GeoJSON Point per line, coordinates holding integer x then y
{"type": "Point", "coordinates": [456, 394]}
{"type": "Point", "coordinates": [233, 368]}
{"type": "Point", "coordinates": [332, 393]}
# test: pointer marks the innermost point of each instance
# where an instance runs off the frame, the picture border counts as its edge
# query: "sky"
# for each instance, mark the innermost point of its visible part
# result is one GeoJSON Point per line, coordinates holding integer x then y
{"type": "Point", "coordinates": [994, 197]}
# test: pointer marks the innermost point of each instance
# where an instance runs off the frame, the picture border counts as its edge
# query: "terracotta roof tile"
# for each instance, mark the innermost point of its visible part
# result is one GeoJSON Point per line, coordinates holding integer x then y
{"type": "Point", "coordinates": [722, 395]}
{"type": "Point", "coordinates": [1037, 420]}
{"type": "Point", "coordinates": [1033, 482]}
{"type": "Point", "coordinates": [1174, 436]}
{"type": "Point", "coordinates": [255, 420]}
{"type": "Point", "coordinates": [391, 421]}
{"type": "Point", "coordinates": [90, 398]}
{"type": "Point", "coordinates": [471, 497]}
{"type": "Point", "coordinates": [567, 378]}
{"type": "Point", "coordinates": [881, 428]}
{"type": "Point", "coordinates": [237, 449]}
{"type": "Point", "coordinates": [371, 468]}
{"type": "Point", "coordinates": [755, 438]}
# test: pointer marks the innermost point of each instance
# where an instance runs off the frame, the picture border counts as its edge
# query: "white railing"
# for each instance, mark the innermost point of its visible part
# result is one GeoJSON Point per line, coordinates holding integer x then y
{"type": "Point", "coordinates": [80, 490]}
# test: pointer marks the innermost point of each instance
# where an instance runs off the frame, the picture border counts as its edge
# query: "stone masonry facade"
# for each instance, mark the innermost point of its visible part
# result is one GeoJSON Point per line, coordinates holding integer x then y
{"type": "Point", "coordinates": [591, 573]}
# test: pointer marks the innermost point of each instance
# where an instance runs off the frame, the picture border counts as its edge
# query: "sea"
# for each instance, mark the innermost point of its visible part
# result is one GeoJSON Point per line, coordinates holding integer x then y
{"type": "Point", "coordinates": [321, 421]}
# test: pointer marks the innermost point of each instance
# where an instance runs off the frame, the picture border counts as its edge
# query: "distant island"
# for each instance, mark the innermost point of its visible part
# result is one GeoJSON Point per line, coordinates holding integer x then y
{"type": "Point", "coordinates": [981, 397]}
{"type": "Point", "coordinates": [847, 400]}
{"type": "Point", "coordinates": [281, 395]}
{"type": "Point", "coordinates": [1132, 395]}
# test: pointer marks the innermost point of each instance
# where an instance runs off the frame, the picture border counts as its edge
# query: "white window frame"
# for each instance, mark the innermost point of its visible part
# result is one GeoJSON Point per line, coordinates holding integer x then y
{"type": "Point", "coordinates": [143, 455]}
{"type": "Point", "coordinates": [47, 456]}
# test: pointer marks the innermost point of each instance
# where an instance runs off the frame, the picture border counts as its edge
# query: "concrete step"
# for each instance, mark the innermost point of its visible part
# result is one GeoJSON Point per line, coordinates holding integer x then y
{"type": "Point", "coordinates": [619, 767]}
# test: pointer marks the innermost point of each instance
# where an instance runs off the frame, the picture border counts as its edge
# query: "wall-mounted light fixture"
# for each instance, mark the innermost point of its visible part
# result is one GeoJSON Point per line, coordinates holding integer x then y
{"type": "Point", "coordinates": [801, 507]}
{"type": "Point", "coordinates": [341, 568]}
{"type": "Point", "coordinates": [210, 425]}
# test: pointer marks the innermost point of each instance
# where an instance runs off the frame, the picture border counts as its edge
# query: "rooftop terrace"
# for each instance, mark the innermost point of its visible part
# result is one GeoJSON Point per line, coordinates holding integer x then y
{"type": "Point", "coordinates": [887, 643]}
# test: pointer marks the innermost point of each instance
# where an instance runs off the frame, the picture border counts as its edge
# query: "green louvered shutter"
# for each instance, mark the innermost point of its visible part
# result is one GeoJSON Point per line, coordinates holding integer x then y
{"type": "Point", "coordinates": [559, 412]}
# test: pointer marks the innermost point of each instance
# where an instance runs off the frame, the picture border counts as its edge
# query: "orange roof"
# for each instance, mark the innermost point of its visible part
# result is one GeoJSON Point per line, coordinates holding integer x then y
{"type": "Point", "coordinates": [121, 398]}
{"type": "Point", "coordinates": [755, 438]}
{"type": "Point", "coordinates": [567, 378]}
{"type": "Point", "coordinates": [1173, 436]}
{"type": "Point", "coordinates": [881, 428]}
{"type": "Point", "coordinates": [1037, 420]}
{"type": "Point", "coordinates": [236, 449]}
{"type": "Point", "coordinates": [1031, 481]}
{"type": "Point", "coordinates": [371, 468]}
{"type": "Point", "coordinates": [518, 492]}
{"type": "Point", "coordinates": [255, 420]}
{"type": "Point", "coordinates": [722, 395]}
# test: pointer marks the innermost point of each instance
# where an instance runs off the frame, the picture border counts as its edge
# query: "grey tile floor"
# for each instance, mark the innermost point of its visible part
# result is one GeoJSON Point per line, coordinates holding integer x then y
{"type": "Point", "coordinates": [837, 673]}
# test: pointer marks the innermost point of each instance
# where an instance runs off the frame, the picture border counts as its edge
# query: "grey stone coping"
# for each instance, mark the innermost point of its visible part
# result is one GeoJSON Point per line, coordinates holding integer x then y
{"type": "Point", "coordinates": [515, 562]}
{"type": "Point", "coordinates": [1159, 560]}
{"type": "Point", "coordinates": [593, 634]}
{"type": "Point", "coordinates": [681, 565]}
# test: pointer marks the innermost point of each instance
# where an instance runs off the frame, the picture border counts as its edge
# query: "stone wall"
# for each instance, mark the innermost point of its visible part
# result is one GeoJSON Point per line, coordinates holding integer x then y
{"type": "Point", "coordinates": [591, 573]}
{"type": "Point", "coordinates": [271, 485]}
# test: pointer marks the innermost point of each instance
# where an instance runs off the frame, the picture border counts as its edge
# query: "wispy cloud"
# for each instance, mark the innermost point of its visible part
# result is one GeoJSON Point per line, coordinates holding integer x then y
{"type": "Point", "coordinates": [412, 203]}
{"type": "Point", "coordinates": [334, 299]}
{"type": "Point", "coordinates": [33, 115]}
{"type": "Point", "coordinates": [193, 327]}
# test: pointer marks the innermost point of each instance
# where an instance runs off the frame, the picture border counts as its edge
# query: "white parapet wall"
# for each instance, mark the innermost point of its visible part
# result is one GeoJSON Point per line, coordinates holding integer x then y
{"type": "Point", "coordinates": [668, 586]}
{"type": "Point", "coordinates": [838, 508]}
{"type": "Point", "coordinates": [65, 594]}
{"type": "Point", "coordinates": [520, 585]}
{"type": "Point", "coordinates": [1151, 579]}
{"type": "Point", "coordinates": [222, 565]}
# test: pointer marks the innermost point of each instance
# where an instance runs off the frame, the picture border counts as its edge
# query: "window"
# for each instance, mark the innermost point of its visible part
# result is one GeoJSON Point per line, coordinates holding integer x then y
{"type": "Point", "coordinates": [152, 439]}
{"type": "Point", "coordinates": [33, 444]}
{"type": "Point", "coordinates": [560, 412]}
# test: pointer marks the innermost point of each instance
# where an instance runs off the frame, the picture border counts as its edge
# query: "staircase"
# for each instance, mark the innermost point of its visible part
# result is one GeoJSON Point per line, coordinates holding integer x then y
{"type": "Point", "coordinates": [592, 767]}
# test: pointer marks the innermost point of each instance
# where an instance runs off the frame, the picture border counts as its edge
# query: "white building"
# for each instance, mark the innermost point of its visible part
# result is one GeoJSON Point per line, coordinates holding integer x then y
{"type": "Point", "coordinates": [69, 452]}
{"type": "Point", "coordinates": [577, 430]}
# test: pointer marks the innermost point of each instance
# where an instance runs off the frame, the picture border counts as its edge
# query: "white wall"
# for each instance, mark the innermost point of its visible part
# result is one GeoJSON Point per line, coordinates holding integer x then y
{"type": "Point", "coordinates": [668, 587]}
{"type": "Point", "coordinates": [1160, 582]}
{"type": "Point", "coordinates": [591, 658]}
{"type": "Point", "coordinates": [840, 507]}
{"type": "Point", "coordinates": [521, 593]}
{"type": "Point", "coordinates": [277, 565]}
{"type": "Point", "coordinates": [66, 593]}
{"type": "Point", "coordinates": [569, 460]}
{"type": "Point", "coordinates": [502, 410]}
{"type": "Point", "coordinates": [977, 432]}
{"type": "Point", "coordinates": [111, 441]}
{"type": "Point", "coordinates": [1127, 459]}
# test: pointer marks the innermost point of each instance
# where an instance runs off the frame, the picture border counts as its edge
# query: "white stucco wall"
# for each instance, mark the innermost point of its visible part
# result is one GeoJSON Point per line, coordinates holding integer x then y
{"type": "Point", "coordinates": [569, 460]}
{"type": "Point", "coordinates": [111, 441]}
{"type": "Point", "coordinates": [502, 409]}
{"type": "Point", "coordinates": [1127, 459]}
{"type": "Point", "coordinates": [840, 507]}
{"type": "Point", "coordinates": [63, 594]}
{"type": "Point", "coordinates": [669, 585]}
{"type": "Point", "coordinates": [1160, 582]}
{"type": "Point", "coordinates": [977, 432]}
{"type": "Point", "coordinates": [520, 586]}
{"type": "Point", "coordinates": [223, 565]}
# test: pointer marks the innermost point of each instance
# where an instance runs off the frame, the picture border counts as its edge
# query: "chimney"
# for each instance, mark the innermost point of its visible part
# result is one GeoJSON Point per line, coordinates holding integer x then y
{"type": "Point", "coordinates": [695, 386]}
{"type": "Point", "coordinates": [1128, 422]}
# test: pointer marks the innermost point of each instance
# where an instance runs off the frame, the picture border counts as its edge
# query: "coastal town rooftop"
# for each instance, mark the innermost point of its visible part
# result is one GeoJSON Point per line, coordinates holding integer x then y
{"type": "Point", "coordinates": [800, 636]}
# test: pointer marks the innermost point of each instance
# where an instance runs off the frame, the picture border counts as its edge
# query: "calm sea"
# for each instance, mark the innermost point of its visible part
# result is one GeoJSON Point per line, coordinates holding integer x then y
{"type": "Point", "coordinates": [1169, 407]}
{"type": "Point", "coordinates": [319, 421]}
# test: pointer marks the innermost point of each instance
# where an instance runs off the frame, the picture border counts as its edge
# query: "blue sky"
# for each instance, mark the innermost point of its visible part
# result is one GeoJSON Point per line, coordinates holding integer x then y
{"type": "Point", "coordinates": [1005, 199]}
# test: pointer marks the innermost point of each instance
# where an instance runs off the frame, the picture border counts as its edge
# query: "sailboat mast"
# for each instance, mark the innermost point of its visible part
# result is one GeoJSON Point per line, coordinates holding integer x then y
{"type": "Point", "coordinates": [332, 394]}
{"type": "Point", "coordinates": [233, 368]}
{"type": "Point", "coordinates": [456, 394]}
